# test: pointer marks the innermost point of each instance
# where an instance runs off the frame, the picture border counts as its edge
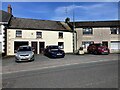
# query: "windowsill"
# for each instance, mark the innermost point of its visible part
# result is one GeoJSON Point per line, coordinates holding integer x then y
{"type": "Point", "coordinates": [18, 36]}
{"type": "Point", "coordinates": [87, 34]}
{"type": "Point", "coordinates": [60, 38]}
{"type": "Point", "coordinates": [39, 38]}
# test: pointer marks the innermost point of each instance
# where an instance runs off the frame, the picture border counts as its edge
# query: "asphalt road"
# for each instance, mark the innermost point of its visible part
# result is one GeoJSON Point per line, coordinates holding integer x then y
{"type": "Point", "coordinates": [87, 75]}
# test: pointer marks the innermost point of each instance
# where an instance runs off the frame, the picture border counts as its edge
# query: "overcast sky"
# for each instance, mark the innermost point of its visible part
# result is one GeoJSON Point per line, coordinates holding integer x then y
{"type": "Point", "coordinates": [83, 11]}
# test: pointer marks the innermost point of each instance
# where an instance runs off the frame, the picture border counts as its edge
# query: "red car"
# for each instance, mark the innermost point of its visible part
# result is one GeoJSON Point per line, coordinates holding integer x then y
{"type": "Point", "coordinates": [97, 49]}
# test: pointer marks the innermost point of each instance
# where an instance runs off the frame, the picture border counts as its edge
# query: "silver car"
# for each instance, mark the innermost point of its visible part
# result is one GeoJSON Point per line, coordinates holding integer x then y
{"type": "Point", "coordinates": [24, 53]}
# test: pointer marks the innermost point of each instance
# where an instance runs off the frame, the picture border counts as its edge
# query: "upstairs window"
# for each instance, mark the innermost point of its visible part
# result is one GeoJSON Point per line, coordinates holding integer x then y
{"type": "Point", "coordinates": [39, 34]}
{"type": "Point", "coordinates": [115, 30]}
{"type": "Point", "coordinates": [87, 31]}
{"type": "Point", "coordinates": [60, 35]}
{"type": "Point", "coordinates": [18, 33]}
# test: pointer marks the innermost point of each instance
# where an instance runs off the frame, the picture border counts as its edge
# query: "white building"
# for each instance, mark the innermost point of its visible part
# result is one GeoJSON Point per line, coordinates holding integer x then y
{"type": "Point", "coordinates": [38, 34]}
{"type": "Point", "coordinates": [5, 18]}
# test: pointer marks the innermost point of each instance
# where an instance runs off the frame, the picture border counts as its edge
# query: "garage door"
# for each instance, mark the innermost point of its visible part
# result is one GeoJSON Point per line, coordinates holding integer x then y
{"type": "Point", "coordinates": [19, 43]}
{"type": "Point", "coordinates": [115, 45]}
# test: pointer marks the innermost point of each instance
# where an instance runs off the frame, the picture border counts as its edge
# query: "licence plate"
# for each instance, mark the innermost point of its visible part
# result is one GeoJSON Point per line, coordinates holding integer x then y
{"type": "Point", "coordinates": [59, 54]}
{"type": "Point", "coordinates": [105, 51]}
{"type": "Point", "coordinates": [23, 57]}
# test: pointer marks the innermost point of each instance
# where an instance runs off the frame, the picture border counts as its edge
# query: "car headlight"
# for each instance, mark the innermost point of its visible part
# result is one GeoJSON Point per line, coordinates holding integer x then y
{"type": "Point", "coordinates": [30, 55]}
{"type": "Point", "coordinates": [16, 55]}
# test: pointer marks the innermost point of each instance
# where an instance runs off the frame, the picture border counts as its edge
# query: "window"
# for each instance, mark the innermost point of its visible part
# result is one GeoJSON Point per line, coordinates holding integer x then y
{"type": "Point", "coordinates": [85, 44]}
{"type": "Point", "coordinates": [18, 33]}
{"type": "Point", "coordinates": [39, 34]}
{"type": "Point", "coordinates": [61, 45]}
{"type": "Point", "coordinates": [87, 31]}
{"type": "Point", "coordinates": [115, 30]}
{"type": "Point", "coordinates": [60, 34]}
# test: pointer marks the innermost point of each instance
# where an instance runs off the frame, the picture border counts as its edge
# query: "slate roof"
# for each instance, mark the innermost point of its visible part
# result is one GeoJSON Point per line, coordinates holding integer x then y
{"type": "Point", "coordinates": [96, 24]}
{"type": "Point", "coordinates": [4, 16]}
{"type": "Point", "coordinates": [24, 23]}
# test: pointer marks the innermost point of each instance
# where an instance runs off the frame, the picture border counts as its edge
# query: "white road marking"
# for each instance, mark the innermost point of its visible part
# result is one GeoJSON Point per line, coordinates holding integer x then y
{"type": "Point", "coordinates": [54, 66]}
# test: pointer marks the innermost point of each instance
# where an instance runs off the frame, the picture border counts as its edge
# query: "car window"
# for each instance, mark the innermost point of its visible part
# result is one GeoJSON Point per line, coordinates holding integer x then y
{"type": "Point", "coordinates": [98, 45]}
{"type": "Point", "coordinates": [25, 49]}
{"type": "Point", "coordinates": [54, 47]}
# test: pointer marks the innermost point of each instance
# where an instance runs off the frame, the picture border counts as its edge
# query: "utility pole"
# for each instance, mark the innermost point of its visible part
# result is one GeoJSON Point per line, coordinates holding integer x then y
{"type": "Point", "coordinates": [73, 29]}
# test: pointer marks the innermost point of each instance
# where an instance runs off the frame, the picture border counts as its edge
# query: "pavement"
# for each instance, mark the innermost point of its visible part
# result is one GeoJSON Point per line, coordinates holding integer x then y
{"type": "Point", "coordinates": [42, 62]}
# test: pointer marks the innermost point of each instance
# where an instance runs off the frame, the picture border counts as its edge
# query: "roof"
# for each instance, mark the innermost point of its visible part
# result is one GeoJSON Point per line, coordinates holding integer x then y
{"type": "Point", "coordinates": [24, 23]}
{"type": "Point", "coordinates": [96, 24]}
{"type": "Point", "coordinates": [4, 16]}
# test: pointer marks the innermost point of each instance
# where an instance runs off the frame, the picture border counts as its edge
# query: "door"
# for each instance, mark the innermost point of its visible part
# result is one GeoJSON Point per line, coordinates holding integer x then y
{"type": "Point", "coordinates": [41, 47]}
{"type": "Point", "coordinates": [34, 45]}
{"type": "Point", "coordinates": [105, 43]}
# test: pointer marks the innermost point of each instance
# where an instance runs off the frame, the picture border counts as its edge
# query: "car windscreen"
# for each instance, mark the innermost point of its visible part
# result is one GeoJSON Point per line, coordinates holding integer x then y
{"type": "Point", "coordinates": [54, 47]}
{"type": "Point", "coordinates": [25, 49]}
{"type": "Point", "coordinates": [99, 45]}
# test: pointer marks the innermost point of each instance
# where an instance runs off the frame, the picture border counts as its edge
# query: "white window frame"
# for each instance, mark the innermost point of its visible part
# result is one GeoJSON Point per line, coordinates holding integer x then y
{"type": "Point", "coordinates": [38, 35]}
{"type": "Point", "coordinates": [19, 34]}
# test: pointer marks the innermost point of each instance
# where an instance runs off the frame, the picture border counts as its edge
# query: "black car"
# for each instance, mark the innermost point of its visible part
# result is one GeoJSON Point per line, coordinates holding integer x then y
{"type": "Point", "coordinates": [54, 51]}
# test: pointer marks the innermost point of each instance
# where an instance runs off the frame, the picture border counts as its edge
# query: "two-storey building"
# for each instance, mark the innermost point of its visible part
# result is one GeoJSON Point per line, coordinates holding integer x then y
{"type": "Point", "coordinates": [106, 32]}
{"type": "Point", "coordinates": [38, 34]}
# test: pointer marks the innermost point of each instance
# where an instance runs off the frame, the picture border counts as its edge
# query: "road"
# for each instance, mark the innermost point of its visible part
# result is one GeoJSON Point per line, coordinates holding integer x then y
{"type": "Point", "coordinates": [86, 75]}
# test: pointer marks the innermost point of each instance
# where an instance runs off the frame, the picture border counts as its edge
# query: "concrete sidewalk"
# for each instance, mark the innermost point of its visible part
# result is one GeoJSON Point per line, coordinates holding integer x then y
{"type": "Point", "coordinates": [43, 62]}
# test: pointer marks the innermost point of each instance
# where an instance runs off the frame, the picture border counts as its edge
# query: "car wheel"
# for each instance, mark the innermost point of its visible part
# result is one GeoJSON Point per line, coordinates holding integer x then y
{"type": "Point", "coordinates": [95, 52]}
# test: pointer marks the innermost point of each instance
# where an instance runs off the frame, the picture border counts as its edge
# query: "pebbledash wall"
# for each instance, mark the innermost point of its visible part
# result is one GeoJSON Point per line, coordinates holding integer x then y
{"type": "Point", "coordinates": [2, 39]}
{"type": "Point", "coordinates": [99, 35]}
{"type": "Point", "coordinates": [48, 37]}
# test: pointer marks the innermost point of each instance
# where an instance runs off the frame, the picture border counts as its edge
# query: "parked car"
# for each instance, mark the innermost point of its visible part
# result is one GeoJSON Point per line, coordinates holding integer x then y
{"type": "Point", "coordinates": [97, 48]}
{"type": "Point", "coordinates": [54, 51]}
{"type": "Point", "coordinates": [24, 53]}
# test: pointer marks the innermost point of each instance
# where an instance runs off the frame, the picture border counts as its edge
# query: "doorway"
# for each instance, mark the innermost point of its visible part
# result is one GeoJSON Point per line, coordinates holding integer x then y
{"type": "Point", "coordinates": [105, 43]}
{"type": "Point", "coordinates": [19, 43]}
{"type": "Point", "coordinates": [41, 47]}
{"type": "Point", "coordinates": [34, 45]}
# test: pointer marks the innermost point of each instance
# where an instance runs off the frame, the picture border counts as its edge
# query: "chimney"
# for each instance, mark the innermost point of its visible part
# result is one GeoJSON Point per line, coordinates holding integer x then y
{"type": "Point", "coordinates": [67, 20]}
{"type": "Point", "coordinates": [9, 9]}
